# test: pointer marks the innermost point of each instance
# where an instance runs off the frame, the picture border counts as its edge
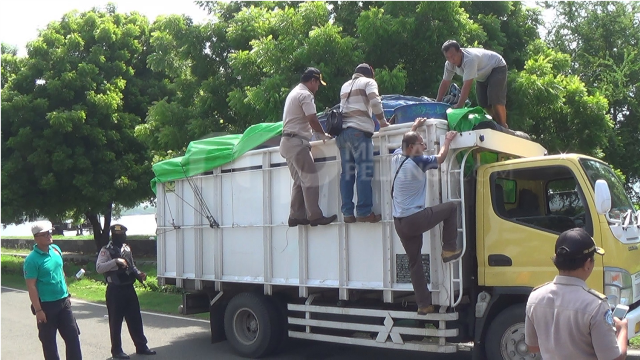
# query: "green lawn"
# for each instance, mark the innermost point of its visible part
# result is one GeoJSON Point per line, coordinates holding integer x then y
{"type": "Point", "coordinates": [14, 251]}
{"type": "Point", "coordinates": [92, 287]}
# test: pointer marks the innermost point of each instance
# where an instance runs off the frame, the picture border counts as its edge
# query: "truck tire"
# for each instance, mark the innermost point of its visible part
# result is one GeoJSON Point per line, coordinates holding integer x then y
{"type": "Point", "coordinates": [251, 325]}
{"type": "Point", "coordinates": [505, 336]}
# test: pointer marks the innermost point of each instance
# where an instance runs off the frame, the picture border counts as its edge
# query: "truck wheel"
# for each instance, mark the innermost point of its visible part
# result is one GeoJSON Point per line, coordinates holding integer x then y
{"type": "Point", "coordinates": [505, 337]}
{"type": "Point", "coordinates": [251, 325]}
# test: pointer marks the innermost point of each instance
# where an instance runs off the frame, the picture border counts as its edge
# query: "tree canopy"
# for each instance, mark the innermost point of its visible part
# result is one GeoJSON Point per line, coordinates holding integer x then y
{"type": "Point", "coordinates": [102, 95]}
{"type": "Point", "coordinates": [68, 120]}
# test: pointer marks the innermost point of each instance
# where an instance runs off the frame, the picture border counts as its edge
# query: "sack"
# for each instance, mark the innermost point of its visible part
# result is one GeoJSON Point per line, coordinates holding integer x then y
{"type": "Point", "coordinates": [334, 122]}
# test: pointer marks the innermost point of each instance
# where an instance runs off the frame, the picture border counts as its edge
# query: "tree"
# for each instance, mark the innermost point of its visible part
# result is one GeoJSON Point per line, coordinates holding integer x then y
{"type": "Point", "coordinates": [10, 63]}
{"type": "Point", "coordinates": [555, 108]}
{"type": "Point", "coordinates": [68, 120]}
{"type": "Point", "coordinates": [602, 39]}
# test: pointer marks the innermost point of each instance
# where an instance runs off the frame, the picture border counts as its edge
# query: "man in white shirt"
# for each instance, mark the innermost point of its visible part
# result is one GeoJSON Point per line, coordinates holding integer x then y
{"type": "Point", "coordinates": [489, 70]}
{"type": "Point", "coordinates": [410, 216]}
{"type": "Point", "coordinates": [359, 102]}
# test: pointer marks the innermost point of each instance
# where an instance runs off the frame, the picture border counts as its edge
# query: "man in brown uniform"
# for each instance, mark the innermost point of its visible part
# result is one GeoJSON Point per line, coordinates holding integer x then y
{"type": "Point", "coordinates": [299, 119]}
{"type": "Point", "coordinates": [567, 320]}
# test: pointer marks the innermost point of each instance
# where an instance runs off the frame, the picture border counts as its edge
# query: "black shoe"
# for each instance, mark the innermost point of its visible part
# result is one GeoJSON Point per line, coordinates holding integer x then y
{"type": "Point", "coordinates": [120, 355]}
{"type": "Point", "coordinates": [146, 351]}
{"type": "Point", "coordinates": [325, 220]}
{"type": "Point", "coordinates": [295, 222]}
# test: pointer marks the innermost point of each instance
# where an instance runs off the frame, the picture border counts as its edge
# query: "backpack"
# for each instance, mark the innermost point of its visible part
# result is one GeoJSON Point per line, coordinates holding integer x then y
{"type": "Point", "coordinates": [334, 118]}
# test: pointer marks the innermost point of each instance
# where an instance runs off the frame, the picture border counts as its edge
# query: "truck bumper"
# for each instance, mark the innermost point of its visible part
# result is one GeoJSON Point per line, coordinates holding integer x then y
{"type": "Point", "coordinates": [633, 319]}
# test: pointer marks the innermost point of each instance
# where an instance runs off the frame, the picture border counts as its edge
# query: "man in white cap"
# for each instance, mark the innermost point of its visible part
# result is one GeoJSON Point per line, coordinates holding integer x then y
{"type": "Point", "coordinates": [49, 296]}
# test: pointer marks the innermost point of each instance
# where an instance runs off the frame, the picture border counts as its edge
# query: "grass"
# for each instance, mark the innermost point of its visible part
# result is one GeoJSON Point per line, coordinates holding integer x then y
{"type": "Point", "coordinates": [14, 251]}
{"type": "Point", "coordinates": [635, 342]}
{"type": "Point", "coordinates": [92, 288]}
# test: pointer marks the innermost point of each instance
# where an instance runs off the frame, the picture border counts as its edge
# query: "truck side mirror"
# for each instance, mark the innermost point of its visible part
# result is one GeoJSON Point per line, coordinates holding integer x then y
{"type": "Point", "coordinates": [603, 197]}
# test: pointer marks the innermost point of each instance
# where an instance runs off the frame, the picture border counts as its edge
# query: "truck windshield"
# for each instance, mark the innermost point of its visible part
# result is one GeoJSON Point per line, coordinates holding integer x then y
{"type": "Point", "coordinates": [620, 202]}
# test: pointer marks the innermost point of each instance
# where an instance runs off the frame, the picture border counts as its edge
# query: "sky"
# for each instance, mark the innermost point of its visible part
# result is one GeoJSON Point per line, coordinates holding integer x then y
{"type": "Point", "coordinates": [21, 20]}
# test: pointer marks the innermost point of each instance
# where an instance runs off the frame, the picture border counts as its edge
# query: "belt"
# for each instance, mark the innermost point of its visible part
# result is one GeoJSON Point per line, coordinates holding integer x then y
{"type": "Point", "coordinates": [295, 136]}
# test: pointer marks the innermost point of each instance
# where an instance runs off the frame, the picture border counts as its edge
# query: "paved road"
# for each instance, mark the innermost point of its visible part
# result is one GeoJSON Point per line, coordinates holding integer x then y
{"type": "Point", "coordinates": [172, 337]}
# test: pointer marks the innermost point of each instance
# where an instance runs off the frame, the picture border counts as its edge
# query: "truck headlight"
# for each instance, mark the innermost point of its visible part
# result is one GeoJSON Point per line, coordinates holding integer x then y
{"type": "Point", "coordinates": [618, 286]}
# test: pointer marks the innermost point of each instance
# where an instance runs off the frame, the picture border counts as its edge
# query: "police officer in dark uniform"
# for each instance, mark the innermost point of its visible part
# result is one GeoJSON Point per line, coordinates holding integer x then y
{"type": "Point", "coordinates": [116, 263]}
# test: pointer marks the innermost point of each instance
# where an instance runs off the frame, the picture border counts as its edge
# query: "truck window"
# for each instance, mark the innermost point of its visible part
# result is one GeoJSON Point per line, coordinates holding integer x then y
{"type": "Point", "coordinates": [563, 199]}
{"type": "Point", "coordinates": [546, 198]}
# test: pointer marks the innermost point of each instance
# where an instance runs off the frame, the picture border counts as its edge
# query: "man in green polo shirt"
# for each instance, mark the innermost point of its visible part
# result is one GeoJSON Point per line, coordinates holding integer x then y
{"type": "Point", "coordinates": [47, 287]}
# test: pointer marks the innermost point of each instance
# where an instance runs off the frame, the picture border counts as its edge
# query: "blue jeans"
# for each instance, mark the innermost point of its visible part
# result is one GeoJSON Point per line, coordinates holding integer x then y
{"type": "Point", "coordinates": [356, 160]}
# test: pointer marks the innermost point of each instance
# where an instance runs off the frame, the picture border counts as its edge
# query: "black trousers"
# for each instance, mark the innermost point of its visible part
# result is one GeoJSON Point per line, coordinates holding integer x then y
{"type": "Point", "coordinates": [59, 318]}
{"type": "Point", "coordinates": [122, 303]}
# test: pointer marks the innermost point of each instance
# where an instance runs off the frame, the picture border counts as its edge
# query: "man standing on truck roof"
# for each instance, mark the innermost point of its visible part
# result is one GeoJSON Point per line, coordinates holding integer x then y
{"type": "Point", "coordinates": [359, 100]}
{"type": "Point", "coordinates": [565, 319]}
{"type": "Point", "coordinates": [410, 216]}
{"type": "Point", "coordinates": [115, 261]}
{"type": "Point", "coordinates": [489, 70]}
{"type": "Point", "coordinates": [299, 123]}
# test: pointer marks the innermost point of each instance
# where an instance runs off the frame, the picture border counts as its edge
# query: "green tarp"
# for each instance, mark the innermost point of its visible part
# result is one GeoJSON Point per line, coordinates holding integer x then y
{"type": "Point", "coordinates": [208, 154]}
{"type": "Point", "coordinates": [464, 120]}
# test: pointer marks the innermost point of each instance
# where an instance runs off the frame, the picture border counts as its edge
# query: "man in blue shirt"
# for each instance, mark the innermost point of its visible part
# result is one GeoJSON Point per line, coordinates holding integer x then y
{"type": "Point", "coordinates": [410, 216]}
{"type": "Point", "coordinates": [49, 296]}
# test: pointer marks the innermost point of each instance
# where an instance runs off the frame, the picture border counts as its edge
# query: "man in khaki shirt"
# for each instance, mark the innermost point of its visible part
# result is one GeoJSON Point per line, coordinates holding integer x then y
{"type": "Point", "coordinates": [299, 122]}
{"type": "Point", "coordinates": [567, 320]}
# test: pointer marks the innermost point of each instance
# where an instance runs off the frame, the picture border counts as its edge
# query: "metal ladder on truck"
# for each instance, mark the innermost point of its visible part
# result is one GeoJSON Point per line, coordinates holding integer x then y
{"type": "Point", "coordinates": [454, 168]}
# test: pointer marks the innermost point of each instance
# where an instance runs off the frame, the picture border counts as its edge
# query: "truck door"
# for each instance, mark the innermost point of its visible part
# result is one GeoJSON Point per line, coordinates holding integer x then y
{"type": "Point", "coordinates": [524, 207]}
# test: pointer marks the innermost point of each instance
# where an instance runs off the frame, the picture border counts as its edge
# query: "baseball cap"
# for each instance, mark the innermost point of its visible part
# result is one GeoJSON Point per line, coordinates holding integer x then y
{"type": "Point", "coordinates": [575, 243]}
{"type": "Point", "coordinates": [41, 226]}
{"type": "Point", "coordinates": [314, 73]}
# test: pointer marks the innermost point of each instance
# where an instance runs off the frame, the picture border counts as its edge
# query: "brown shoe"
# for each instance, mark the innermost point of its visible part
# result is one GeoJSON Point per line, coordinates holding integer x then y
{"type": "Point", "coordinates": [325, 220]}
{"type": "Point", "coordinates": [349, 219]}
{"type": "Point", "coordinates": [295, 222]}
{"type": "Point", "coordinates": [448, 256]}
{"type": "Point", "coordinates": [429, 309]}
{"type": "Point", "coordinates": [372, 218]}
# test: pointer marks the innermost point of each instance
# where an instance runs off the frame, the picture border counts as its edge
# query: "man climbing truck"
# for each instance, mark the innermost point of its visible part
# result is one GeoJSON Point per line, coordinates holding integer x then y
{"type": "Point", "coordinates": [223, 237]}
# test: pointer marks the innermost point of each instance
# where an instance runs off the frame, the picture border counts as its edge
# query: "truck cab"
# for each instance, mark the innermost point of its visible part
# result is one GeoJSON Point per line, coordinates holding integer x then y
{"type": "Point", "coordinates": [522, 205]}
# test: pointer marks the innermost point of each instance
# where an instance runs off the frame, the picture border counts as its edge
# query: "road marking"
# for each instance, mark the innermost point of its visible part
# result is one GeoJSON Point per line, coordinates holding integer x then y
{"type": "Point", "coordinates": [142, 312]}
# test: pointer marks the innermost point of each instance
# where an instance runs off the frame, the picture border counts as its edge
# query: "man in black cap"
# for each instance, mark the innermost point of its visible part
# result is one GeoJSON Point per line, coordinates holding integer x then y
{"type": "Point", "coordinates": [115, 261]}
{"type": "Point", "coordinates": [299, 122]}
{"type": "Point", "coordinates": [359, 102]}
{"type": "Point", "coordinates": [565, 319]}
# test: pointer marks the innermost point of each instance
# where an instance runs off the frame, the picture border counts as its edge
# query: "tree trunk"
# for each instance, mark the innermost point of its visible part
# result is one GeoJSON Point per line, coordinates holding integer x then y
{"type": "Point", "coordinates": [100, 233]}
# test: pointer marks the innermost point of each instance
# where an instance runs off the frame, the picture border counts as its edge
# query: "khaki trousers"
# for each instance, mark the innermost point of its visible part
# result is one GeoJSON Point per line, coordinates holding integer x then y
{"type": "Point", "coordinates": [410, 230]}
{"type": "Point", "coordinates": [305, 192]}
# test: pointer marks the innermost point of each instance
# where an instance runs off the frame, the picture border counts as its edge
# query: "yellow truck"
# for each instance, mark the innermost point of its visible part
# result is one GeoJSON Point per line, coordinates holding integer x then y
{"type": "Point", "coordinates": [223, 237]}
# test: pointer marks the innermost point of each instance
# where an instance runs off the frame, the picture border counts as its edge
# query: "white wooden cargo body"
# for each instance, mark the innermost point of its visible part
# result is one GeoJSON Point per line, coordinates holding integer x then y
{"type": "Point", "coordinates": [250, 198]}
{"type": "Point", "coordinates": [223, 236]}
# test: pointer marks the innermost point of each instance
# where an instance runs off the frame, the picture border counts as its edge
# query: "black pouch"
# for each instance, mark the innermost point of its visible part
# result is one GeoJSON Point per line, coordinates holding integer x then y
{"type": "Point", "coordinates": [368, 135]}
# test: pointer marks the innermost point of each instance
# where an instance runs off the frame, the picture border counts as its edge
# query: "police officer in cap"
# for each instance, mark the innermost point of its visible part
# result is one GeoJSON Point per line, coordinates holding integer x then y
{"type": "Point", "coordinates": [116, 263]}
{"type": "Point", "coordinates": [565, 319]}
